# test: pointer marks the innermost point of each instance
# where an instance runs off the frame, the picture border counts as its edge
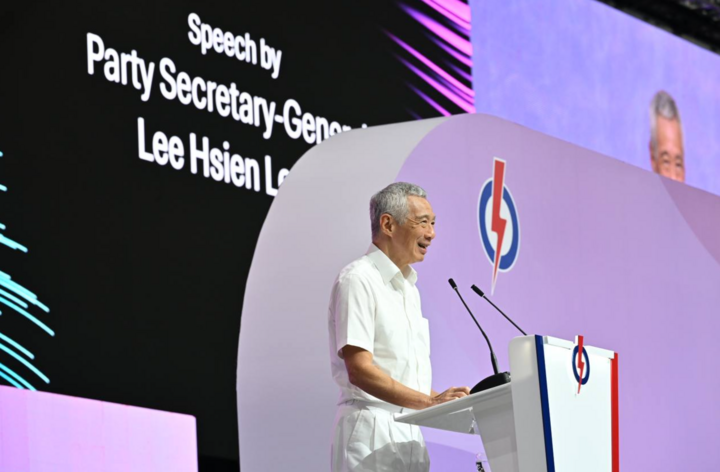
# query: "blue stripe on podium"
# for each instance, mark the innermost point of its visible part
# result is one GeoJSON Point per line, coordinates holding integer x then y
{"type": "Point", "coordinates": [549, 455]}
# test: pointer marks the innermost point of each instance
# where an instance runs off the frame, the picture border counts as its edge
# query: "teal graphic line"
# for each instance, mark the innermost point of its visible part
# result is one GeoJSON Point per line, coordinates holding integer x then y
{"type": "Point", "coordinates": [25, 383]}
{"type": "Point", "coordinates": [18, 298]}
{"type": "Point", "coordinates": [11, 380]}
{"type": "Point", "coordinates": [13, 298]}
{"type": "Point", "coordinates": [17, 346]}
{"type": "Point", "coordinates": [34, 369]}
{"type": "Point", "coordinates": [27, 315]}
{"type": "Point", "coordinates": [22, 291]}
{"type": "Point", "coordinates": [10, 243]}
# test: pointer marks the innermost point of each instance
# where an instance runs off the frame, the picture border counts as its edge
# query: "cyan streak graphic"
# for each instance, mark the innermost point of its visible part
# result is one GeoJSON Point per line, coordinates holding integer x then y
{"type": "Point", "coordinates": [35, 370]}
{"type": "Point", "coordinates": [16, 345]}
{"type": "Point", "coordinates": [13, 298]}
{"type": "Point", "coordinates": [12, 244]}
{"type": "Point", "coordinates": [10, 379]}
{"type": "Point", "coordinates": [27, 315]}
{"type": "Point", "coordinates": [25, 383]}
{"type": "Point", "coordinates": [22, 291]}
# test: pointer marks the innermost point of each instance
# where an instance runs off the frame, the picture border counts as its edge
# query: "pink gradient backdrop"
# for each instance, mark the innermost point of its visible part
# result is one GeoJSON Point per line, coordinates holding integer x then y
{"type": "Point", "coordinates": [42, 432]}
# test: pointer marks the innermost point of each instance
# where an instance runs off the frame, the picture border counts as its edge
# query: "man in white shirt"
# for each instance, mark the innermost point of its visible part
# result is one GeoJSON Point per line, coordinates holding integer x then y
{"type": "Point", "coordinates": [379, 341]}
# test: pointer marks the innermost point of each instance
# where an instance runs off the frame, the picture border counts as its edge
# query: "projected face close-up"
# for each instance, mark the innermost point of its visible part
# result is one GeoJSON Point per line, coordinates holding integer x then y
{"type": "Point", "coordinates": [667, 153]}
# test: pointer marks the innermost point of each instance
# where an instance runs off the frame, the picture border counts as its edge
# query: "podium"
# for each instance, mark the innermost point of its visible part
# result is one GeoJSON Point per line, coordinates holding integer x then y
{"type": "Point", "coordinates": [558, 414]}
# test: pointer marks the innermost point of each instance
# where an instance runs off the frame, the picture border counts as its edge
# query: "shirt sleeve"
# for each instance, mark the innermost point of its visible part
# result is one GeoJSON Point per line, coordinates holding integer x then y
{"type": "Point", "coordinates": [354, 313]}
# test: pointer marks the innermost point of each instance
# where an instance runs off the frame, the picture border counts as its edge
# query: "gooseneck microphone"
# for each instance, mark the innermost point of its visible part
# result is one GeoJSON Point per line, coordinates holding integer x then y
{"type": "Point", "coordinates": [482, 295]}
{"type": "Point", "coordinates": [498, 378]}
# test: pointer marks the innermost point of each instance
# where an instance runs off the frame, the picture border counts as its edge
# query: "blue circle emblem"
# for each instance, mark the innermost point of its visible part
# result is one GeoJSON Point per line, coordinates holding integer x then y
{"type": "Point", "coordinates": [507, 260]}
{"type": "Point", "coordinates": [586, 374]}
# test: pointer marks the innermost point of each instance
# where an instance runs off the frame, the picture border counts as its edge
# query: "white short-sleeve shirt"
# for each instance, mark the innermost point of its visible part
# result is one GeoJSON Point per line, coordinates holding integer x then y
{"type": "Point", "coordinates": [376, 307]}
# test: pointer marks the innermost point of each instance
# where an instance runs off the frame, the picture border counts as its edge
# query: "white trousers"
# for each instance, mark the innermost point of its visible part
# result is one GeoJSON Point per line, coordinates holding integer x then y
{"type": "Point", "coordinates": [367, 439]}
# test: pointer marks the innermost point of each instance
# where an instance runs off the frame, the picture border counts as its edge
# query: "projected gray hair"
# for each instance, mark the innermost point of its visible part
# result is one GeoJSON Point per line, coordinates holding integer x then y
{"type": "Point", "coordinates": [392, 200]}
{"type": "Point", "coordinates": [663, 105]}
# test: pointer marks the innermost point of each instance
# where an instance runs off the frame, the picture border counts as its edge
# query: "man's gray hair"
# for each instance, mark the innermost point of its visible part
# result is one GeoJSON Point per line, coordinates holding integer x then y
{"type": "Point", "coordinates": [392, 200]}
{"type": "Point", "coordinates": [663, 105]}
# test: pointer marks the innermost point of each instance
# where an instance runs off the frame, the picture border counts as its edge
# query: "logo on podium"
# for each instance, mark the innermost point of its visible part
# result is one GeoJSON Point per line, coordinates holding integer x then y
{"type": "Point", "coordinates": [498, 222]}
{"type": "Point", "coordinates": [580, 363]}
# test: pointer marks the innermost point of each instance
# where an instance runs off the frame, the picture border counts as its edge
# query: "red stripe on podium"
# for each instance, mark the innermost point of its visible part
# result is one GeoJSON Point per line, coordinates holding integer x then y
{"type": "Point", "coordinates": [615, 416]}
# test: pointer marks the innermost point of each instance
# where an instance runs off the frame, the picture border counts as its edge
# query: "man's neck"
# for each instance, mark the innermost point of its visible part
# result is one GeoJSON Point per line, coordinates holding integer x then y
{"type": "Point", "coordinates": [387, 249]}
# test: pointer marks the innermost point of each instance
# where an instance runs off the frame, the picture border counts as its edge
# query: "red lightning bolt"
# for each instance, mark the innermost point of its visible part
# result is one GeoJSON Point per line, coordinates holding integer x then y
{"type": "Point", "coordinates": [581, 363]}
{"type": "Point", "coordinates": [498, 223]}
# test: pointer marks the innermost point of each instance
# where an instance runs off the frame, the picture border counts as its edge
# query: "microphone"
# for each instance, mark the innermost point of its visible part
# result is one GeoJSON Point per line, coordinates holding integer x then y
{"type": "Point", "coordinates": [482, 295]}
{"type": "Point", "coordinates": [498, 378]}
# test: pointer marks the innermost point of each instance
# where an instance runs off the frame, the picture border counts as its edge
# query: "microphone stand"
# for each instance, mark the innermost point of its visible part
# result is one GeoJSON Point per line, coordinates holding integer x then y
{"type": "Point", "coordinates": [498, 378]}
{"type": "Point", "coordinates": [482, 295]}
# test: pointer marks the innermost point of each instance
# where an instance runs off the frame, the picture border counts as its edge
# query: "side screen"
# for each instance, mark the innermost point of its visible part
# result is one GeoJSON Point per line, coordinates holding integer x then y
{"type": "Point", "coordinates": [586, 73]}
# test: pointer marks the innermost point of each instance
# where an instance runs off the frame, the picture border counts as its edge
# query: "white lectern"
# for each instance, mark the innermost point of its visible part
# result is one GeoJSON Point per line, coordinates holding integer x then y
{"type": "Point", "coordinates": [558, 414]}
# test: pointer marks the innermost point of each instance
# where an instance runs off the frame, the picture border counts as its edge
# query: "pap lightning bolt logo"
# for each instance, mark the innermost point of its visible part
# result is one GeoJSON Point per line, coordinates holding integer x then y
{"type": "Point", "coordinates": [498, 223]}
{"type": "Point", "coordinates": [581, 364]}
{"type": "Point", "coordinates": [497, 213]}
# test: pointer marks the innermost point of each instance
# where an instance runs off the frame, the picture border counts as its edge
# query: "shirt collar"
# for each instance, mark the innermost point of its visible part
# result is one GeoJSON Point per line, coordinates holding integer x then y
{"type": "Point", "coordinates": [387, 268]}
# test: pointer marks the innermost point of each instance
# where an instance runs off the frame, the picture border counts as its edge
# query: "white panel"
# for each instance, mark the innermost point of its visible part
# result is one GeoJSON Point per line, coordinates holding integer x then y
{"type": "Point", "coordinates": [581, 423]}
{"type": "Point", "coordinates": [458, 415]}
{"type": "Point", "coordinates": [492, 411]}
{"type": "Point", "coordinates": [526, 405]}
{"type": "Point", "coordinates": [318, 223]}
{"type": "Point", "coordinates": [497, 430]}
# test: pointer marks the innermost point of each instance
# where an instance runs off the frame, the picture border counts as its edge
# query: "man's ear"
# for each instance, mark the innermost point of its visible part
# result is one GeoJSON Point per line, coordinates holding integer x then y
{"type": "Point", "coordinates": [387, 224]}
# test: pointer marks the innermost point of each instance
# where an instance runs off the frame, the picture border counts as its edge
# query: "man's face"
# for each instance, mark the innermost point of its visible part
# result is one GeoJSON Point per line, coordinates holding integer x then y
{"type": "Point", "coordinates": [413, 238]}
{"type": "Point", "coordinates": [669, 157]}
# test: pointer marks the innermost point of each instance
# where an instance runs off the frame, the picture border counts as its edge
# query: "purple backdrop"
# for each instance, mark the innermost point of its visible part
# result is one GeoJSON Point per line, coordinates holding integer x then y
{"type": "Point", "coordinates": [584, 72]}
{"type": "Point", "coordinates": [627, 258]}
{"type": "Point", "coordinates": [620, 255]}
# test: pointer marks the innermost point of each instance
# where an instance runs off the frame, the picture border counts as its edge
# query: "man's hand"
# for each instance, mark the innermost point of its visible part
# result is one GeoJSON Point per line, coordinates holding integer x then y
{"type": "Point", "coordinates": [452, 393]}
